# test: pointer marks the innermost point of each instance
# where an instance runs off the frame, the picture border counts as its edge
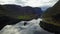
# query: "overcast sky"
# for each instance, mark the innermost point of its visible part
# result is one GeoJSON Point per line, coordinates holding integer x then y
{"type": "Point", "coordinates": [33, 3]}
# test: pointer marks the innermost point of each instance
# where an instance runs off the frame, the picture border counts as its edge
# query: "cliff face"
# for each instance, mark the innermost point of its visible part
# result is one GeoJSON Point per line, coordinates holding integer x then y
{"type": "Point", "coordinates": [25, 12]}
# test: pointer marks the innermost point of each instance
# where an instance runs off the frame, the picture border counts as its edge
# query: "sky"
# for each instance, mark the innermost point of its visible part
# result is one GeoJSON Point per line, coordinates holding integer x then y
{"type": "Point", "coordinates": [32, 3]}
{"type": "Point", "coordinates": [44, 4]}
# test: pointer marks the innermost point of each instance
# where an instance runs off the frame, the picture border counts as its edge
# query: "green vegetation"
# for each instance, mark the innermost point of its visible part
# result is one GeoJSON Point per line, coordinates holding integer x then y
{"type": "Point", "coordinates": [24, 17]}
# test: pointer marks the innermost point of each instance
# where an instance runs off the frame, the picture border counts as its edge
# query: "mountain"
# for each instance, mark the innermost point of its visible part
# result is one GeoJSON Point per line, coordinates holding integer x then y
{"type": "Point", "coordinates": [44, 8]}
{"type": "Point", "coordinates": [25, 13]}
{"type": "Point", "coordinates": [11, 14]}
{"type": "Point", "coordinates": [51, 19]}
